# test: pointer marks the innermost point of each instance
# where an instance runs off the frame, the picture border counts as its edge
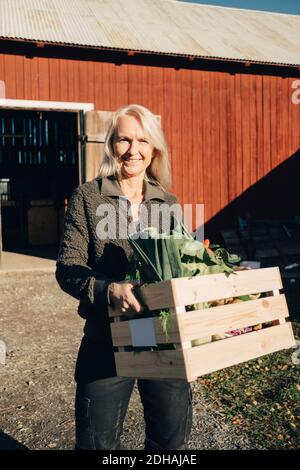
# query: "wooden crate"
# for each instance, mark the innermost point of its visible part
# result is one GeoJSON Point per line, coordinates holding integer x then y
{"type": "Point", "coordinates": [188, 362]}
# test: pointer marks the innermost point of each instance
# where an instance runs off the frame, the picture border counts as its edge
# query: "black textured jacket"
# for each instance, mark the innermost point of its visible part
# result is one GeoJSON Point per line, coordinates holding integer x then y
{"type": "Point", "coordinates": [87, 264]}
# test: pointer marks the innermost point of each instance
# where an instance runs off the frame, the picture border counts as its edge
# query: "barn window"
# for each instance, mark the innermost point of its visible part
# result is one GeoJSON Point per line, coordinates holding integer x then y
{"type": "Point", "coordinates": [37, 138]}
{"type": "Point", "coordinates": [4, 189]}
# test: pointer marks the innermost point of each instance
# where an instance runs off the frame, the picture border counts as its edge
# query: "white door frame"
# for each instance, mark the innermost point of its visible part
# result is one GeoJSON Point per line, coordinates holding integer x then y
{"type": "Point", "coordinates": [46, 105]}
{"type": "Point", "coordinates": [49, 106]}
{"type": "Point", "coordinates": [53, 106]}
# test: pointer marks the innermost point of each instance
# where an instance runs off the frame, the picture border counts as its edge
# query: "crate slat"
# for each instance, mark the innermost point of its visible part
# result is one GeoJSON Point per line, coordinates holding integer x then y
{"type": "Point", "coordinates": [218, 320]}
{"type": "Point", "coordinates": [121, 333]}
{"type": "Point", "coordinates": [231, 351]}
{"type": "Point", "coordinates": [151, 364]}
{"type": "Point", "coordinates": [187, 291]}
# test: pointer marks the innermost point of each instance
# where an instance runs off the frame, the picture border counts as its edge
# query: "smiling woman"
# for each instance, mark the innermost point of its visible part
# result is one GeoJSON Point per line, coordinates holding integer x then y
{"type": "Point", "coordinates": [93, 266]}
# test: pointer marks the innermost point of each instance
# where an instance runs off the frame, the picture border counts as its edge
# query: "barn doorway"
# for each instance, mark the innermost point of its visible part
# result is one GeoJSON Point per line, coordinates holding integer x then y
{"type": "Point", "coordinates": [39, 168]}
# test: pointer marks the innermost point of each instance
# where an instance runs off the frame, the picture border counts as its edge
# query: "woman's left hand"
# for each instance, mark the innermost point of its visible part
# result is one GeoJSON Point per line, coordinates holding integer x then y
{"type": "Point", "coordinates": [123, 299]}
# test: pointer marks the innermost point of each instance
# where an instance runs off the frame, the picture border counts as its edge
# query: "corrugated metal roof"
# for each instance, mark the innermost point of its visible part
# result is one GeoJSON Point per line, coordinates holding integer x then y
{"type": "Point", "coordinates": [156, 26]}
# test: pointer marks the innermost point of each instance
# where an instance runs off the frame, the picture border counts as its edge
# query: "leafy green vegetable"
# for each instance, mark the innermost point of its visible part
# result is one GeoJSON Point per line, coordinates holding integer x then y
{"type": "Point", "coordinates": [162, 257]}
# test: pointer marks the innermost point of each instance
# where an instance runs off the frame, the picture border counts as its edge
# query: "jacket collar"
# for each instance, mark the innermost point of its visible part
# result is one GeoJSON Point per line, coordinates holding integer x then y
{"type": "Point", "coordinates": [109, 186]}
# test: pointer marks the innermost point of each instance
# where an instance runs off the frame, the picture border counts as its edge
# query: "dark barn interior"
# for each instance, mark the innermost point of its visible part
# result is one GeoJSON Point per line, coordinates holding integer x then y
{"type": "Point", "coordinates": [38, 172]}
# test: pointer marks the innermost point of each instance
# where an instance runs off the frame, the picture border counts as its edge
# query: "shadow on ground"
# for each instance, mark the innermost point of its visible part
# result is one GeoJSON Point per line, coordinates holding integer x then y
{"type": "Point", "coordinates": [9, 443]}
{"type": "Point", "coordinates": [46, 252]}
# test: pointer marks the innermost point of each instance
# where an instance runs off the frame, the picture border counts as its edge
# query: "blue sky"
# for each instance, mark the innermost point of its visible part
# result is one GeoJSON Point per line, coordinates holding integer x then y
{"type": "Point", "coordinates": [281, 6]}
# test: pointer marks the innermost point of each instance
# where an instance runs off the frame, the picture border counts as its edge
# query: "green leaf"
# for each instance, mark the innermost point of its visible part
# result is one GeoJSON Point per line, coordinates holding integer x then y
{"type": "Point", "coordinates": [189, 247]}
{"type": "Point", "coordinates": [150, 271]}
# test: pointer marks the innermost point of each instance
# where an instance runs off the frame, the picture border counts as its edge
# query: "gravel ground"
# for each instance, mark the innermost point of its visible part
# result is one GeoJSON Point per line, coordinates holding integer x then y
{"type": "Point", "coordinates": [42, 331]}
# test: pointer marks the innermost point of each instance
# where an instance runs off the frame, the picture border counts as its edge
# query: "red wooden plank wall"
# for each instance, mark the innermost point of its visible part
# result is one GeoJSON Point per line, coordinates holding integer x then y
{"type": "Point", "coordinates": [225, 132]}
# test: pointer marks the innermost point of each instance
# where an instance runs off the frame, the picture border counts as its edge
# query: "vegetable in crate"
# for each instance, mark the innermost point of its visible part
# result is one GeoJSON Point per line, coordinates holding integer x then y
{"type": "Point", "coordinates": [162, 257]}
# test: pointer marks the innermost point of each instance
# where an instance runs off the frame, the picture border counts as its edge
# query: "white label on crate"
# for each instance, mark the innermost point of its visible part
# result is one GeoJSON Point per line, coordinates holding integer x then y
{"type": "Point", "coordinates": [142, 332]}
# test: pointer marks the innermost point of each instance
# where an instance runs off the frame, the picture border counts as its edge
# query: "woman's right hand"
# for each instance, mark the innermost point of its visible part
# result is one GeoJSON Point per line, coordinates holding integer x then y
{"type": "Point", "coordinates": [121, 296]}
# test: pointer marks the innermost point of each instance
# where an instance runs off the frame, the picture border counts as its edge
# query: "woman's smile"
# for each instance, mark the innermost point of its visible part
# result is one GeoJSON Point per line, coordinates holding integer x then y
{"type": "Point", "coordinates": [132, 161]}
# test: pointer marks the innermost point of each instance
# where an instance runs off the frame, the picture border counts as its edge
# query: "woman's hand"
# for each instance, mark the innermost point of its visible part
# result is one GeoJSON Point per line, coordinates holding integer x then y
{"type": "Point", "coordinates": [122, 298]}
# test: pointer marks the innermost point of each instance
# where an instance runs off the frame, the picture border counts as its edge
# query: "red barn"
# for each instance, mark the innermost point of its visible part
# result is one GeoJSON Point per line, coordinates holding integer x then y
{"type": "Point", "coordinates": [223, 80]}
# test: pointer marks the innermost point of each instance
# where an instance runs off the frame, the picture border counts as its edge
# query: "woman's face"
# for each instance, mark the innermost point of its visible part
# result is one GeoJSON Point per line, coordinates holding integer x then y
{"type": "Point", "coordinates": [132, 148]}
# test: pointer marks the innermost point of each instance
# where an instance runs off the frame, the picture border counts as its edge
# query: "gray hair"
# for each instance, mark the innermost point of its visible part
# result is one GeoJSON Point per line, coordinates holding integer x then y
{"type": "Point", "coordinates": [159, 168]}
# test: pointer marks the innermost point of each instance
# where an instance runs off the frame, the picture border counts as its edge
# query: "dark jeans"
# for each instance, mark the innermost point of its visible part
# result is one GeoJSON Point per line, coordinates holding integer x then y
{"type": "Point", "coordinates": [101, 408]}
